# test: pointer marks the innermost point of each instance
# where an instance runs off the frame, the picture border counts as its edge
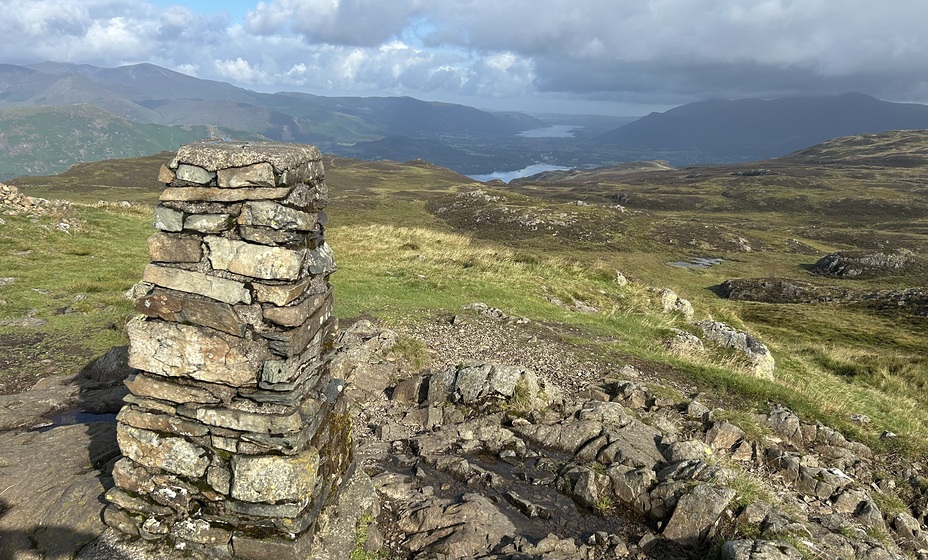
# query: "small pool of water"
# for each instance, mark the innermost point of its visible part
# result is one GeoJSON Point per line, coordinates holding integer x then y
{"type": "Point", "coordinates": [698, 263]}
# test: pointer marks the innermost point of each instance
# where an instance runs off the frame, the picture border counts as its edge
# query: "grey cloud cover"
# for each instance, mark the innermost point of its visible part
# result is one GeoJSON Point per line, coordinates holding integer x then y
{"type": "Point", "coordinates": [632, 52]}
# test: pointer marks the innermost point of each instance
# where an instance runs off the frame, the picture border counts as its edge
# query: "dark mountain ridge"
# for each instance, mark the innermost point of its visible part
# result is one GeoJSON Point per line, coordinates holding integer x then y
{"type": "Point", "coordinates": [753, 129]}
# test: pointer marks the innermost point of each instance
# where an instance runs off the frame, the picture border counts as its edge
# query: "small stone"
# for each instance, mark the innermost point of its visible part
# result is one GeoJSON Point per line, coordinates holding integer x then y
{"type": "Point", "coordinates": [175, 350]}
{"type": "Point", "coordinates": [208, 223]}
{"type": "Point", "coordinates": [167, 219]}
{"type": "Point", "coordinates": [193, 174]}
{"type": "Point", "coordinates": [265, 213]}
{"type": "Point", "coordinates": [271, 479]}
{"type": "Point", "coordinates": [256, 261]}
{"type": "Point", "coordinates": [172, 454]}
{"type": "Point", "coordinates": [180, 309]}
{"type": "Point", "coordinates": [165, 175]}
{"type": "Point", "coordinates": [166, 247]}
{"type": "Point", "coordinates": [209, 194]}
{"type": "Point", "coordinates": [255, 175]}
{"type": "Point", "coordinates": [296, 314]}
{"type": "Point", "coordinates": [220, 479]}
{"type": "Point", "coordinates": [161, 423]}
{"type": "Point", "coordinates": [281, 294]}
{"type": "Point", "coordinates": [228, 291]}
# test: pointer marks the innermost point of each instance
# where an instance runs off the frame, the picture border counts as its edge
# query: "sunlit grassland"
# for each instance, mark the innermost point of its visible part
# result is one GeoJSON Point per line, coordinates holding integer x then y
{"type": "Point", "coordinates": [401, 262]}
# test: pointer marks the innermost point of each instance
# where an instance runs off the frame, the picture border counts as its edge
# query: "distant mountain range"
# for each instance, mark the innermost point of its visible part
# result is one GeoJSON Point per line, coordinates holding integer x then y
{"type": "Point", "coordinates": [751, 129]}
{"type": "Point", "coordinates": [55, 114]}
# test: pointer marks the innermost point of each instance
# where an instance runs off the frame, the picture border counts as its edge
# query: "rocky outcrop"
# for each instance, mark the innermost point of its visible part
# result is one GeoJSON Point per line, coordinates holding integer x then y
{"type": "Point", "coordinates": [912, 301]}
{"type": "Point", "coordinates": [869, 265]}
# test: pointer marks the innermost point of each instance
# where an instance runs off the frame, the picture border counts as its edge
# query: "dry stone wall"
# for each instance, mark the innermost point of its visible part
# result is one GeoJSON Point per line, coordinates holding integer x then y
{"type": "Point", "coordinates": [234, 435]}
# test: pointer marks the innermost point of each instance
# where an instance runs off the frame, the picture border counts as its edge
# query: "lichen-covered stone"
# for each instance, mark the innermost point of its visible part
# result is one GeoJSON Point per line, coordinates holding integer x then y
{"type": "Point", "coordinates": [255, 175]}
{"type": "Point", "coordinates": [272, 479]}
{"type": "Point", "coordinates": [167, 219]}
{"type": "Point", "coordinates": [169, 453]}
{"type": "Point", "coordinates": [216, 194]}
{"type": "Point", "coordinates": [180, 309]}
{"type": "Point", "coordinates": [160, 422]}
{"type": "Point", "coordinates": [293, 341]}
{"type": "Point", "coordinates": [175, 248]}
{"type": "Point", "coordinates": [296, 314]}
{"type": "Point", "coordinates": [193, 174]}
{"type": "Point", "coordinates": [175, 350]}
{"type": "Point", "coordinates": [256, 261]}
{"type": "Point", "coordinates": [208, 223]}
{"type": "Point", "coordinates": [228, 291]}
{"type": "Point", "coordinates": [282, 294]}
{"type": "Point", "coordinates": [213, 155]}
{"type": "Point", "coordinates": [267, 213]}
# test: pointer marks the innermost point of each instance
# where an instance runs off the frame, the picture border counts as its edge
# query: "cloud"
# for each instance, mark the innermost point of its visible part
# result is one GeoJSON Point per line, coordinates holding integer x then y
{"type": "Point", "coordinates": [656, 52]}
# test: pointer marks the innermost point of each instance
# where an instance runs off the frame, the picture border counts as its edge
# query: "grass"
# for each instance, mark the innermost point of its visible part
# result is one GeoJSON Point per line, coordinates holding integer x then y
{"type": "Point", "coordinates": [402, 260]}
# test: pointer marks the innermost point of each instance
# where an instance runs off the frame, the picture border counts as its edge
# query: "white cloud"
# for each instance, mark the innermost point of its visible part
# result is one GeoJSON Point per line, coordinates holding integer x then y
{"type": "Point", "coordinates": [646, 51]}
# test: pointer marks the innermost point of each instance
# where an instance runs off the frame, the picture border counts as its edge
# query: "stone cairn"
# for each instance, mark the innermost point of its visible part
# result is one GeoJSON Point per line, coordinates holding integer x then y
{"type": "Point", "coordinates": [234, 435]}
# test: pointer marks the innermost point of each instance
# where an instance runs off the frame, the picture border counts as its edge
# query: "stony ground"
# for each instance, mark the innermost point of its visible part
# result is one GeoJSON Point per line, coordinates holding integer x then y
{"type": "Point", "coordinates": [510, 443]}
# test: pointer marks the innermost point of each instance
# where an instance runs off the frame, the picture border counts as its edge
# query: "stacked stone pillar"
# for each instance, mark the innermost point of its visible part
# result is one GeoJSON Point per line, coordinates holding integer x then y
{"type": "Point", "coordinates": [234, 435]}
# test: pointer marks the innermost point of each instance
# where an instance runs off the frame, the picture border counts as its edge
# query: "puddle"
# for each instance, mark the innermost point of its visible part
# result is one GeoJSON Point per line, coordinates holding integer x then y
{"type": "Point", "coordinates": [72, 417]}
{"type": "Point", "coordinates": [698, 263]}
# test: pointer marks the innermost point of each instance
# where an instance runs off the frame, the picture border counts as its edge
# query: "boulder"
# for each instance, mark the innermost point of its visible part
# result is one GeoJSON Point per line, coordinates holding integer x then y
{"type": "Point", "coordinates": [697, 513]}
{"type": "Point", "coordinates": [756, 352]}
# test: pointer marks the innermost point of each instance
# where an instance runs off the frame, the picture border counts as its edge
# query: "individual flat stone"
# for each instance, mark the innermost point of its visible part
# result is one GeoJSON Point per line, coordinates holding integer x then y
{"type": "Point", "coordinates": [296, 314]}
{"type": "Point", "coordinates": [214, 156]}
{"type": "Point", "coordinates": [208, 223]}
{"type": "Point", "coordinates": [228, 291]}
{"type": "Point", "coordinates": [270, 236]}
{"type": "Point", "coordinates": [308, 196]}
{"type": "Point", "coordinates": [247, 547]}
{"type": "Point", "coordinates": [219, 479]}
{"type": "Point", "coordinates": [201, 532]}
{"type": "Point", "coordinates": [167, 219]}
{"type": "Point", "coordinates": [150, 404]}
{"type": "Point", "coordinates": [281, 294]}
{"type": "Point", "coordinates": [306, 173]}
{"type": "Point", "coordinates": [697, 513]}
{"type": "Point", "coordinates": [267, 213]}
{"type": "Point", "coordinates": [256, 261]}
{"type": "Point", "coordinates": [273, 478]}
{"type": "Point", "coordinates": [123, 499]}
{"type": "Point", "coordinates": [165, 175]}
{"type": "Point", "coordinates": [169, 453]}
{"type": "Point", "coordinates": [321, 260]}
{"type": "Point", "coordinates": [160, 422]}
{"type": "Point", "coordinates": [256, 175]}
{"type": "Point", "coordinates": [211, 194]}
{"type": "Point", "coordinates": [277, 372]}
{"type": "Point", "coordinates": [129, 475]}
{"type": "Point", "coordinates": [181, 309]}
{"type": "Point", "coordinates": [166, 247]}
{"type": "Point", "coordinates": [193, 174]}
{"type": "Point", "coordinates": [294, 341]}
{"type": "Point", "coordinates": [247, 421]}
{"type": "Point", "coordinates": [174, 350]}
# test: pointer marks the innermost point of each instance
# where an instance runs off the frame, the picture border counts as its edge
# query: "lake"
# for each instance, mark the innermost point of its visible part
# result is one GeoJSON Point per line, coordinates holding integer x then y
{"type": "Point", "coordinates": [554, 131]}
{"type": "Point", "coordinates": [507, 176]}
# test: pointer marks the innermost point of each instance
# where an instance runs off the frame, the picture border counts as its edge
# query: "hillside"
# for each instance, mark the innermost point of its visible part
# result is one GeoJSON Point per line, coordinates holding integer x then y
{"type": "Point", "coordinates": [41, 140]}
{"type": "Point", "coordinates": [607, 283]}
{"type": "Point", "coordinates": [753, 129]}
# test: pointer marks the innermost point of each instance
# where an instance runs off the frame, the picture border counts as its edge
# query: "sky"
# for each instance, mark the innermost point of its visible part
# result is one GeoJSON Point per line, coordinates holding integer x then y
{"type": "Point", "coordinates": [618, 57]}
